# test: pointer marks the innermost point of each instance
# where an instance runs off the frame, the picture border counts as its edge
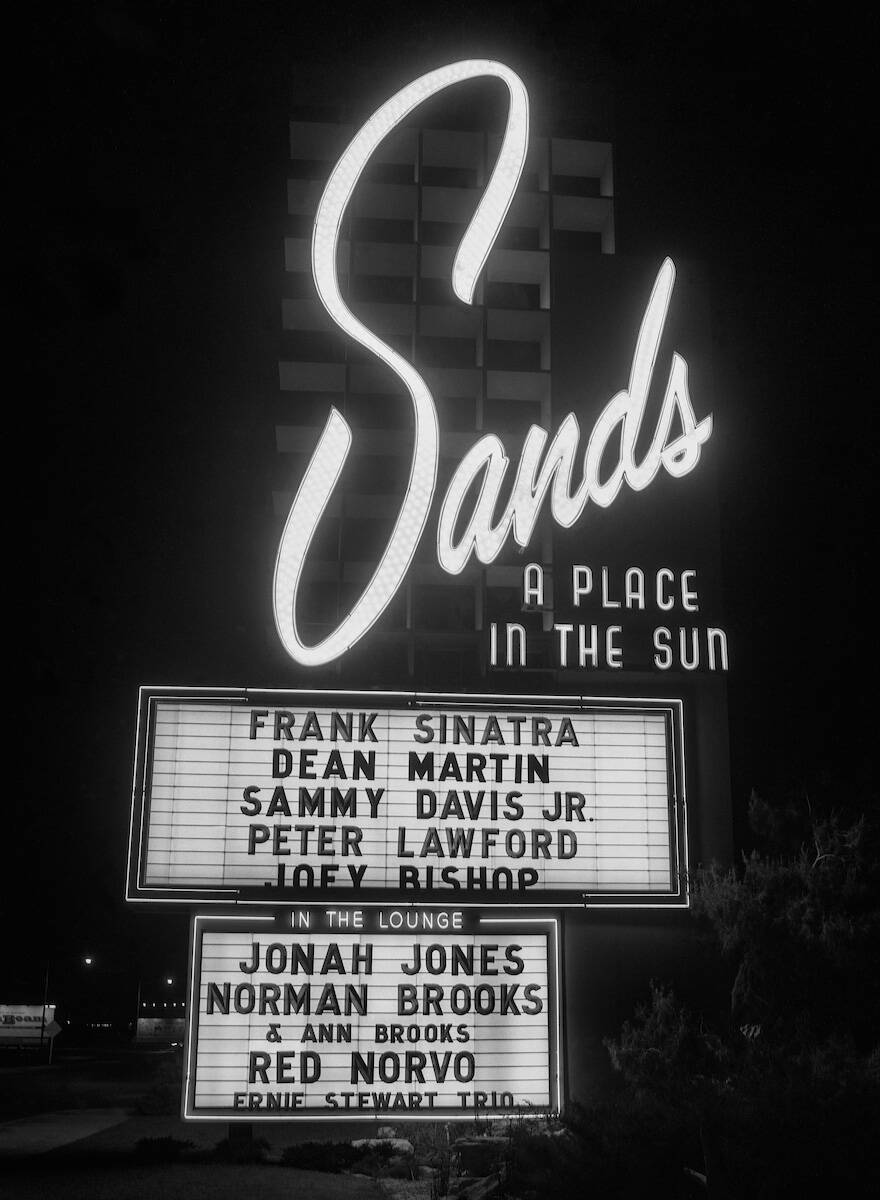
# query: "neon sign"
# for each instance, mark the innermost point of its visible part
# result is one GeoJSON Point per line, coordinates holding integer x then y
{"type": "Point", "coordinates": [542, 469]}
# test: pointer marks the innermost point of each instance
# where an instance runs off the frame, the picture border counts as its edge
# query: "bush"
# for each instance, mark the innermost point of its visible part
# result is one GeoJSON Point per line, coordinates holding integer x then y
{"type": "Point", "coordinates": [382, 1161]}
{"type": "Point", "coordinates": [666, 1046]}
{"type": "Point", "coordinates": [332, 1157]}
{"type": "Point", "coordinates": [401, 1166]}
{"type": "Point", "coordinates": [379, 1160]}
{"type": "Point", "coordinates": [431, 1146]}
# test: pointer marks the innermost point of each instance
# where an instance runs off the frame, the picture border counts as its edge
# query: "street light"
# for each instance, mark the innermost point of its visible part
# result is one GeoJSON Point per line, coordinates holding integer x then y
{"type": "Point", "coordinates": [87, 961]}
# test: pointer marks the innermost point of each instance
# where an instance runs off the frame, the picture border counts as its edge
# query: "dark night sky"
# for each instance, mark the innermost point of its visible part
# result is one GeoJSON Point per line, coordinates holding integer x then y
{"type": "Point", "coordinates": [155, 137]}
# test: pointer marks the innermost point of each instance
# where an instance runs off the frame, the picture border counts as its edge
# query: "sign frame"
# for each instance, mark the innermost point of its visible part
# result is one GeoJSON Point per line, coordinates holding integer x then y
{"type": "Point", "coordinates": [274, 923]}
{"type": "Point", "coordinates": [137, 889]}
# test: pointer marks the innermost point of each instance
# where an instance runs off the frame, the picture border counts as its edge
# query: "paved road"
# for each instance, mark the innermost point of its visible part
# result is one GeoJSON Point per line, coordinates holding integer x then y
{"type": "Point", "coordinates": [205, 1181]}
{"type": "Point", "coordinates": [36, 1135]}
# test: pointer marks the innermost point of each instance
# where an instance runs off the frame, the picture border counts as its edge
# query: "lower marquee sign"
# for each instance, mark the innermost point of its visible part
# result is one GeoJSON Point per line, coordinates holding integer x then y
{"type": "Point", "coordinates": [250, 795]}
{"type": "Point", "coordinates": [349, 1013]}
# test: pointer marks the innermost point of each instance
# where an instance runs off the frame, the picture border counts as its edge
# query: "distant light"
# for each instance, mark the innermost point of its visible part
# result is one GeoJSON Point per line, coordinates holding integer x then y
{"type": "Point", "coordinates": [88, 960]}
{"type": "Point", "coordinates": [168, 979]}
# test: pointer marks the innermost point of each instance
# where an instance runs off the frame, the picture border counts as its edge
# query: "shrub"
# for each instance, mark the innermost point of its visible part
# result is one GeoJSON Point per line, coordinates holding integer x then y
{"type": "Point", "coordinates": [332, 1157]}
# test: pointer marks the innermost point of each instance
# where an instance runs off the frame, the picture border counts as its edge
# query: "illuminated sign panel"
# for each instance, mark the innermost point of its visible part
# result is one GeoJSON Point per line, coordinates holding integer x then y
{"type": "Point", "coordinates": [338, 1013]}
{"type": "Point", "coordinates": [264, 796]}
{"type": "Point", "coordinates": [558, 473]}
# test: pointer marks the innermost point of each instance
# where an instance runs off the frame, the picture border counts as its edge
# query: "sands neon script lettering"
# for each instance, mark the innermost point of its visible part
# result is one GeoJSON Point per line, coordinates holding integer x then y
{"type": "Point", "coordinates": [542, 468]}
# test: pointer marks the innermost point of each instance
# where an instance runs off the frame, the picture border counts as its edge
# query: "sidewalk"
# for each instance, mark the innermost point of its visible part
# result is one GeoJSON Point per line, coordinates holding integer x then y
{"type": "Point", "coordinates": [88, 1154]}
{"type": "Point", "coordinates": [48, 1131]}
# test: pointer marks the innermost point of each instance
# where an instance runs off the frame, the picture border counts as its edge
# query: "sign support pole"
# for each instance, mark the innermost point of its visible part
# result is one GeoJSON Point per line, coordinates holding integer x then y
{"type": "Point", "coordinates": [240, 1134]}
{"type": "Point", "coordinates": [43, 1014]}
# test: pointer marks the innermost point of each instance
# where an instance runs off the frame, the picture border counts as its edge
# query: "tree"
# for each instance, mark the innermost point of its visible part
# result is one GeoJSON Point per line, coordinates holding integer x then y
{"type": "Point", "coordinates": [783, 1088]}
{"type": "Point", "coordinates": [799, 920]}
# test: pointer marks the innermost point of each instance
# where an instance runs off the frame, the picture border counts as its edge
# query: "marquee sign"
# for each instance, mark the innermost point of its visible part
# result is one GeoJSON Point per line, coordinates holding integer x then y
{"type": "Point", "coordinates": [547, 470]}
{"type": "Point", "coordinates": [258, 796]}
{"type": "Point", "coordinates": [376, 836]}
{"type": "Point", "coordinates": [344, 1014]}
